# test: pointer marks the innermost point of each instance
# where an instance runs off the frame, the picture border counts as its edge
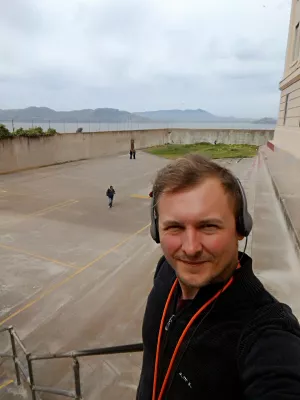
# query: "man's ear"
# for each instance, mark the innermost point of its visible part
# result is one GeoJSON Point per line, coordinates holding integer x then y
{"type": "Point", "coordinates": [240, 237]}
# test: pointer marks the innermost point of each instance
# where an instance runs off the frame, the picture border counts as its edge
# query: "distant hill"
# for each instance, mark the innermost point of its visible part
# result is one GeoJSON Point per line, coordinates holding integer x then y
{"type": "Point", "coordinates": [178, 115]}
{"type": "Point", "coordinates": [44, 114]}
{"type": "Point", "coordinates": [266, 120]}
{"type": "Point", "coordinates": [198, 115]}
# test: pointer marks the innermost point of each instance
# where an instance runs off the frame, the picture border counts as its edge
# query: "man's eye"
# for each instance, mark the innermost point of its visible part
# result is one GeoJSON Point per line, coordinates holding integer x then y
{"type": "Point", "coordinates": [210, 227]}
{"type": "Point", "coordinates": [173, 228]}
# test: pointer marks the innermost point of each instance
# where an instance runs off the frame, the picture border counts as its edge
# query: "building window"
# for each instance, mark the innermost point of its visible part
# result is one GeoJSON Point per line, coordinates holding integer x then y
{"type": "Point", "coordinates": [285, 108]}
{"type": "Point", "coordinates": [296, 43]}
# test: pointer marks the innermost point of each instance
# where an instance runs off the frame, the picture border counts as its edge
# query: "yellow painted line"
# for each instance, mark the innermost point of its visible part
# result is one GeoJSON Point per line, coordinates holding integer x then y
{"type": "Point", "coordinates": [55, 207]}
{"type": "Point", "coordinates": [139, 196]}
{"type": "Point", "coordinates": [7, 193]}
{"type": "Point", "coordinates": [22, 251]}
{"type": "Point", "coordinates": [64, 281]}
{"type": "Point", "coordinates": [41, 212]}
{"type": "Point", "coordinates": [6, 383]}
{"type": "Point", "coordinates": [10, 193]}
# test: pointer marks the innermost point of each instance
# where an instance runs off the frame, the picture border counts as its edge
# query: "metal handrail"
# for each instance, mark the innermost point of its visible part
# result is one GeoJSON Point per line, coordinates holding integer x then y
{"type": "Point", "coordinates": [77, 395]}
{"type": "Point", "coordinates": [127, 348]}
{"type": "Point", "coordinates": [19, 341]}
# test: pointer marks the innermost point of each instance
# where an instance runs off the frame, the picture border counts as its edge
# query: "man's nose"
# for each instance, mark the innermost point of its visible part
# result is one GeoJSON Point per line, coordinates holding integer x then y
{"type": "Point", "coordinates": [191, 242]}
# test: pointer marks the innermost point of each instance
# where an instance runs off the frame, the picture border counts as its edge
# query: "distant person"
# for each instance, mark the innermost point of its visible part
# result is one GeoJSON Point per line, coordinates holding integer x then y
{"type": "Point", "coordinates": [132, 154]}
{"type": "Point", "coordinates": [110, 194]}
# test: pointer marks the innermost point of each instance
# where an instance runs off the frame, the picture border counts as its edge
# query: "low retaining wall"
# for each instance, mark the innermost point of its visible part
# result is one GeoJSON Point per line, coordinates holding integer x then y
{"type": "Point", "coordinates": [227, 136]}
{"type": "Point", "coordinates": [22, 153]}
{"type": "Point", "coordinates": [284, 169]}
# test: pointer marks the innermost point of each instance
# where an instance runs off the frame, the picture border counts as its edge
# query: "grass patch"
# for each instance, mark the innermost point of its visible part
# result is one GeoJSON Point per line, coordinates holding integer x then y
{"type": "Point", "coordinates": [219, 150]}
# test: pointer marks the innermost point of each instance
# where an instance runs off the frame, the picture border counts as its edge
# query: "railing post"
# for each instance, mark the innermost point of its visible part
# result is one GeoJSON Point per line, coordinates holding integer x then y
{"type": "Point", "coordinates": [14, 351]}
{"type": "Point", "coordinates": [31, 378]}
{"type": "Point", "coordinates": [77, 378]}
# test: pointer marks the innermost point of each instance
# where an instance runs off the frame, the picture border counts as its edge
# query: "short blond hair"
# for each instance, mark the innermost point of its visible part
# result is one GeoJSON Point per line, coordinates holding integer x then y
{"type": "Point", "coordinates": [190, 170]}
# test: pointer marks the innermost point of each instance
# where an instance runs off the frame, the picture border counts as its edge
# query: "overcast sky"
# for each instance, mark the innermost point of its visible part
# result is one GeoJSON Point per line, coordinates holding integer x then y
{"type": "Point", "coordinates": [225, 56]}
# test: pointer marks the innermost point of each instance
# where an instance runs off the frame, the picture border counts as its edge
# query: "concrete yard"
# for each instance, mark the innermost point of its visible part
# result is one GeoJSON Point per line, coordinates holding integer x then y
{"type": "Point", "coordinates": [75, 274]}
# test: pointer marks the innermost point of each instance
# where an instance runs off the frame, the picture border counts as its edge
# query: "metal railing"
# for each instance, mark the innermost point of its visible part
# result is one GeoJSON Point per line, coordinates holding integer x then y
{"type": "Point", "coordinates": [29, 376]}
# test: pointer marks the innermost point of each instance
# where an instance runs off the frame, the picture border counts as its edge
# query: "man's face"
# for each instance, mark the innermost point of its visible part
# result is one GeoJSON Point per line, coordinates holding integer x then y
{"type": "Point", "coordinates": [198, 233]}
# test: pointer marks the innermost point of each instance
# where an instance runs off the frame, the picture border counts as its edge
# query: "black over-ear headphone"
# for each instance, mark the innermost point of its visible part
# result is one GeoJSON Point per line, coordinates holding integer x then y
{"type": "Point", "coordinates": [243, 224]}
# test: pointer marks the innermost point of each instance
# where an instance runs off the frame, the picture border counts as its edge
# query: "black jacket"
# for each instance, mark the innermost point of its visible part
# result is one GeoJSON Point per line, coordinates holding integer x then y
{"type": "Point", "coordinates": [247, 345]}
{"type": "Point", "coordinates": [110, 193]}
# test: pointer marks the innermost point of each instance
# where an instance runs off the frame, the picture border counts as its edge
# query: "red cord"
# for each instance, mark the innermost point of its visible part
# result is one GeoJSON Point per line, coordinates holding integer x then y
{"type": "Point", "coordinates": [160, 337]}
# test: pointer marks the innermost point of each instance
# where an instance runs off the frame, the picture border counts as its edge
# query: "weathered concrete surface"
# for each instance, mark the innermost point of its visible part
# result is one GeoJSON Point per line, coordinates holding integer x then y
{"type": "Point", "coordinates": [73, 275]}
{"type": "Point", "coordinates": [76, 274]}
{"type": "Point", "coordinates": [284, 169]}
{"type": "Point", "coordinates": [23, 153]}
{"type": "Point", "coordinates": [275, 255]}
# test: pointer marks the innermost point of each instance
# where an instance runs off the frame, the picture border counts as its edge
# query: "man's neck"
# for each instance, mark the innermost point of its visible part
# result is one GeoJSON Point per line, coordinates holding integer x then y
{"type": "Point", "coordinates": [188, 292]}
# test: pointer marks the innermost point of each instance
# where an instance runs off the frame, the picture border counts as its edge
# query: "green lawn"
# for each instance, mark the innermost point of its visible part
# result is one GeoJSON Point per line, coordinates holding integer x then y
{"type": "Point", "coordinates": [210, 150]}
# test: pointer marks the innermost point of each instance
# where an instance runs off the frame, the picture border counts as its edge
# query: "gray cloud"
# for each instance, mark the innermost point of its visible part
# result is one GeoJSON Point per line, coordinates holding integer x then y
{"type": "Point", "coordinates": [226, 56]}
{"type": "Point", "coordinates": [20, 17]}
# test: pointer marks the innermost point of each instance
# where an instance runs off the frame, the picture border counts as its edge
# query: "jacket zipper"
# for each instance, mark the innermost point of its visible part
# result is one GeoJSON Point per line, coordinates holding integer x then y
{"type": "Point", "coordinates": [168, 324]}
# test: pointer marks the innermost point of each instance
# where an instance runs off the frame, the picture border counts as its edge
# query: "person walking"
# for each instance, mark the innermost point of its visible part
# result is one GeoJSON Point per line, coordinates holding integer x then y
{"type": "Point", "coordinates": [110, 194]}
{"type": "Point", "coordinates": [132, 154]}
{"type": "Point", "coordinates": [211, 330]}
{"type": "Point", "coordinates": [132, 149]}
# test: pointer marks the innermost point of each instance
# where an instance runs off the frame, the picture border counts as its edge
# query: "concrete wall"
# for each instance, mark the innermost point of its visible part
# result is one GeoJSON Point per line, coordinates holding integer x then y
{"type": "Point", "coordinates": [283, 153]}
{"type": "Point", "coordinates": [24, 153]}
{"type": "Point", "coordinates": [227, 136]}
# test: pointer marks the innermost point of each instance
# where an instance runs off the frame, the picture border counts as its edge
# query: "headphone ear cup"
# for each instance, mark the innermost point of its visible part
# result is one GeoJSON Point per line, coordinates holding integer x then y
{"type": "Point", "coordinates": [244, 222]}
{"type": "Point", "coordinates": [154, 223]}
{"type": "Point", "coordinates": [154, 233]}
{"type": "Point", "coordinates": [244, 225]}
{"type": "Point", "coordinates": [240, 226]}
{"type": "Point", "coordinates": [248, 223]}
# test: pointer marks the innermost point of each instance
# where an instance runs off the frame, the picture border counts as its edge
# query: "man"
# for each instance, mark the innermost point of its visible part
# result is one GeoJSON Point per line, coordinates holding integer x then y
{"type": "Point", "coordinates": [211, 330]}
{"type": "Point", "coordinates": [132, 149]}
{"type": "Point", "coordinates": [132, 154]}
{"type": "Point", "coordinates": [110, 194]}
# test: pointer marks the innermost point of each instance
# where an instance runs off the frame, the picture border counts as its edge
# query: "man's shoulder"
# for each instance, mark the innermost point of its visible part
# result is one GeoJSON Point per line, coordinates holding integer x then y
{"type": "Point", "coordinates": [271, 317]}
{"type": "Point", "coordinates": [275, 313]}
